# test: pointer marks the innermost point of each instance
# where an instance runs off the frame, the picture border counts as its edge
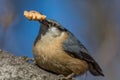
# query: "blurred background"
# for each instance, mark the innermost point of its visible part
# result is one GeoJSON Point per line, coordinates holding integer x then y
{"type": "Point", "coordinates": [94, 22]}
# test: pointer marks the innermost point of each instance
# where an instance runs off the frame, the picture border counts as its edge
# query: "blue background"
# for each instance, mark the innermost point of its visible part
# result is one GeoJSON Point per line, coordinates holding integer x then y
{"type": "Point", "coordinates": [94, 23]}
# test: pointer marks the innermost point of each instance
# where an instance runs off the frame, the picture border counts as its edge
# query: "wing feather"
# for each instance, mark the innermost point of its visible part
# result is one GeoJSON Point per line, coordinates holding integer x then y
{"type": "Point", "coordinates": [74, 47]}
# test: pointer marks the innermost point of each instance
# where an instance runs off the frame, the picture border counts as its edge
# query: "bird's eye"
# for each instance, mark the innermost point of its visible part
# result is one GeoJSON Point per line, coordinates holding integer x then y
{"type": "Point", "coordinates": [54, 24]}
{"type": "Point", "coordinates": [57, 26]}
{"type": "Point", "coordinates": [61, 28]}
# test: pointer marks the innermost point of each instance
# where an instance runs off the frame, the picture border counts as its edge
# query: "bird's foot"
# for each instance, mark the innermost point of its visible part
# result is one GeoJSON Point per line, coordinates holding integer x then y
{"type": "Point", "coordinates": [69, 77]}
{"type": "Point", "coordinates": [28, 59]}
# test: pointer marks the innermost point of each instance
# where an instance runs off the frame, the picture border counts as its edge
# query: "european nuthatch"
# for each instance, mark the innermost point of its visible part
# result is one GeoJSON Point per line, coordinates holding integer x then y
{"type": "Point", "coordinates": [57, 50]}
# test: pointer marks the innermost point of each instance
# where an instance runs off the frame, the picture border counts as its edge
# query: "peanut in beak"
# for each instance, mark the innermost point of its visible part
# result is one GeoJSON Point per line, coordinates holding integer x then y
{"type": "Point", "coordinates": [34, 15]}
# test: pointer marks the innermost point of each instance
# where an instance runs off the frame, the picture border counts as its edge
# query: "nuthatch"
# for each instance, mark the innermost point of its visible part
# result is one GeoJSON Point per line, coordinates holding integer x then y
{"type": "Point", "coordinates": [57, 50]}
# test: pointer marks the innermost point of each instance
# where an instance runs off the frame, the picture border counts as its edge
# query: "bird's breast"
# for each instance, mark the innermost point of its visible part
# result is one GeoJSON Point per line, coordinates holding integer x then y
{"type": "Point", "coordinates": [49, 46]}
{"type": "Point", "coordinates": [50, 55]}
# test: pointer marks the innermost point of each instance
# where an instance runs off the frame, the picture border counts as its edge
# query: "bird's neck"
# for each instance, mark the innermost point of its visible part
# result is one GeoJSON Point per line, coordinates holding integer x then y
{"type": "Point", "coordinates": [42, 31]}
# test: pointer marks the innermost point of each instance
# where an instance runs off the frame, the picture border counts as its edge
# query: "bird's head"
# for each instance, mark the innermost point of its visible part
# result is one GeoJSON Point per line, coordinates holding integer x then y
{"type": "Point", "coordinates": [51, 27]}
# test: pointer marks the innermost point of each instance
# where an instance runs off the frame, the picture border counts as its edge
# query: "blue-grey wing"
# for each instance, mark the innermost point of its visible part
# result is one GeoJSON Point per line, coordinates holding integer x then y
{"type": "Point", "coordinates": [74, 47]}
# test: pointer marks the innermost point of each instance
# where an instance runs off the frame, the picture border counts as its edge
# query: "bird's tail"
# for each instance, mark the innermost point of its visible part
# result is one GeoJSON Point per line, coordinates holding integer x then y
{"type": "Point", "coordinates": [95, 69]}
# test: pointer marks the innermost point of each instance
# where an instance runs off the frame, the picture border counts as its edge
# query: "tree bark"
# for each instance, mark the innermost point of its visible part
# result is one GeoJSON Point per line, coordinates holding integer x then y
{"type": "Point", "coordinates": [17, 68]}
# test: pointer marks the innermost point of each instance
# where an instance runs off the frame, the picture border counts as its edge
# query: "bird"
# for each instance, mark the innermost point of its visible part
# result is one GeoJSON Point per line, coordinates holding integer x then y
{"type": "Point", "coordinates": [57, 50]}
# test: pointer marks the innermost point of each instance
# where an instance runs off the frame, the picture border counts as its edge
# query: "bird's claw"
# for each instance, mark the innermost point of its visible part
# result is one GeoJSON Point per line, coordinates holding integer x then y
{"type": "Point", "coordinates": [28, 59]}
{"type": "Point", "coordinates": [62, 77]}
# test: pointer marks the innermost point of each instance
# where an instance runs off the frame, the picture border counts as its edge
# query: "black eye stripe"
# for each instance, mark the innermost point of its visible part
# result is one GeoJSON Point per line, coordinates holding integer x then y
{"type": "Point", "coordinates": [57, 26]}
